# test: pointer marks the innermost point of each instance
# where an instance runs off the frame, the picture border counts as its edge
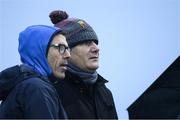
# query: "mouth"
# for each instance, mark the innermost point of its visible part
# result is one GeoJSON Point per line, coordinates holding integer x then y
{"type": "Point", "coordinates": [63, 66]}
{"type": "Point", "coordinates": [93, 58]}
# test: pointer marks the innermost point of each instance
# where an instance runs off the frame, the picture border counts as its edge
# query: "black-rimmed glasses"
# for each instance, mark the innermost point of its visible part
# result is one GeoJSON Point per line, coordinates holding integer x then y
{"type": "Point", "coordinates": [61, 48]}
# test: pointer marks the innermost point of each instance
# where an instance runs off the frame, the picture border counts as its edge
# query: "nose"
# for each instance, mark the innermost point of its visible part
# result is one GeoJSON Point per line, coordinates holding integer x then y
{"type": "Point", "coordinates": [94, 47]}
{"type": "Point", "coordinates": [67, 54]}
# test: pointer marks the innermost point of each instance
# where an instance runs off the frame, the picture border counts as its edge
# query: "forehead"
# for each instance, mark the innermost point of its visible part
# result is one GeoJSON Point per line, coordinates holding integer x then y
{"type": "Point", "coordinates": [59, 38]}
{"type": "Point", "coordinates": [81, 47]}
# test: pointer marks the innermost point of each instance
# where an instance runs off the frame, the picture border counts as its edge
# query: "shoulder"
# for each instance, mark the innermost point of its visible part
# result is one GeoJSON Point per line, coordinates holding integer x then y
{"type": "Point", "coordinates": [101, 83]}
{"type": "Point", "coordinates": [35, 89]}
{"type": "Point", "coordinates": [36, 81]}
{"type": "Point", "coordinates": [101, 80]}
{"type": "Point", "coordinates": [35, 84]}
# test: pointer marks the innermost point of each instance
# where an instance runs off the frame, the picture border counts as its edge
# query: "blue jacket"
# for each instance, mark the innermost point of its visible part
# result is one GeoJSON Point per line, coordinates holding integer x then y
{"type": "Point", "coordinates": [25, 90]}
{"type": "Point", "coordinates": [26, 94]}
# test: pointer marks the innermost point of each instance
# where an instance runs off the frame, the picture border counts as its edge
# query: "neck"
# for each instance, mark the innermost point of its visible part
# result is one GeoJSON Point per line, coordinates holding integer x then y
{"type": "Point", "coordinates": [87, 77]}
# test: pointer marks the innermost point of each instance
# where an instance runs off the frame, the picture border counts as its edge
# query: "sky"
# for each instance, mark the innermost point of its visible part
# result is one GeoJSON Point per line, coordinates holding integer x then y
{"type": "Point", "coordinates": [138, 39]}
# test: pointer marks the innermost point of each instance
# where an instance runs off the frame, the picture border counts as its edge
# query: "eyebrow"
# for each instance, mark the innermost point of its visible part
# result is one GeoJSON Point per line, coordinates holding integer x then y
{"type": "Point", "coordinates": [60, 44]}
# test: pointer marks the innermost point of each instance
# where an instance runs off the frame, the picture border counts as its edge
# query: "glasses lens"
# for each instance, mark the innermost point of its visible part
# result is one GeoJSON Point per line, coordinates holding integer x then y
{"type": "Point", "coordinates": [62, 49]}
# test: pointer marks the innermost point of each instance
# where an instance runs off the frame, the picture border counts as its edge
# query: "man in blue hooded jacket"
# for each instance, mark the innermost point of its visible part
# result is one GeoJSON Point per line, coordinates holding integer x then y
{"type": "Point", "coordinates": [25, 90]}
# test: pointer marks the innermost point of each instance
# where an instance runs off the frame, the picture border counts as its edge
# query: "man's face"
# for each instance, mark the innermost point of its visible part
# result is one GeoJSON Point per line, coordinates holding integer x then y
{"type": "Point", "coordinates": [85, 56]}
{"type": "Point", "coordinates": [56, 58]}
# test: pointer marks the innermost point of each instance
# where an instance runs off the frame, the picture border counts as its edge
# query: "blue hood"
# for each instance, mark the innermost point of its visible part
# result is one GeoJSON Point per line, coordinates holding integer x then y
{"type": "Point", "coordinates": [33, 45]}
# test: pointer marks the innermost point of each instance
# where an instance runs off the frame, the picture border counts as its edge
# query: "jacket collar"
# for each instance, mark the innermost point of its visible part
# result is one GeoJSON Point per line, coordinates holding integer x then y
{"type": "Point", "coordinates": [77, 80]}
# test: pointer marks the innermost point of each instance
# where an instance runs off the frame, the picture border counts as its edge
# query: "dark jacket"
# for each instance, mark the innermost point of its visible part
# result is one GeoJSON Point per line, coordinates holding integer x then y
{"type": "Point", "coordinates": [162, 99]}
{"type": "Point", "coordinates": [82, 101]}
{"type": "Point", "coordinates": [26, 94]}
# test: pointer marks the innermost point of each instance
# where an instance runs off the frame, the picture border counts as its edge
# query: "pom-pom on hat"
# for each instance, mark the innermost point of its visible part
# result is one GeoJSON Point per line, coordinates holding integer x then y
{"type": "Point", "coordinates": [76, 30]}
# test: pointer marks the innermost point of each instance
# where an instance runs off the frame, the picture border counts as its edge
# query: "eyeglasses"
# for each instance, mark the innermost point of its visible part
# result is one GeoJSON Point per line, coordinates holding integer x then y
{"type": "Point", "coordinates": [61, 48]}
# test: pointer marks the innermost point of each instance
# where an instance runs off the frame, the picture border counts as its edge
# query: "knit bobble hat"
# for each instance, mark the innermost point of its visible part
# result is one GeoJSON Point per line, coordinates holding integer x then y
{"type": "Point", "coordinates": [76, 30]}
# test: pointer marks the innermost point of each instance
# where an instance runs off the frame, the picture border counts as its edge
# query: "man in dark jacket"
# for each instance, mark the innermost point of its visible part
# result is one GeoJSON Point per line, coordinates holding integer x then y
{"type": "Point", "coordinates": [83, 92]}
{"type": "Point", "coordinates": [25, 90]}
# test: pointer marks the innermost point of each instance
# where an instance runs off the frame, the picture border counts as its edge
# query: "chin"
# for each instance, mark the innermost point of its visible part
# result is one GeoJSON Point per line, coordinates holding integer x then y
{"type": "Point", "coordinates": [60, 75]}
{"type": "Point", "coordinates": [93, 67]}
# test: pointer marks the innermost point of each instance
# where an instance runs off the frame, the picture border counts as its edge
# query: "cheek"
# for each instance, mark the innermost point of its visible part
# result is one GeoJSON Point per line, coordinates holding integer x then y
{"type": "Point", "coordinates": [76, 58]}
{"type": "Point", "coordinates": [52, 59]}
